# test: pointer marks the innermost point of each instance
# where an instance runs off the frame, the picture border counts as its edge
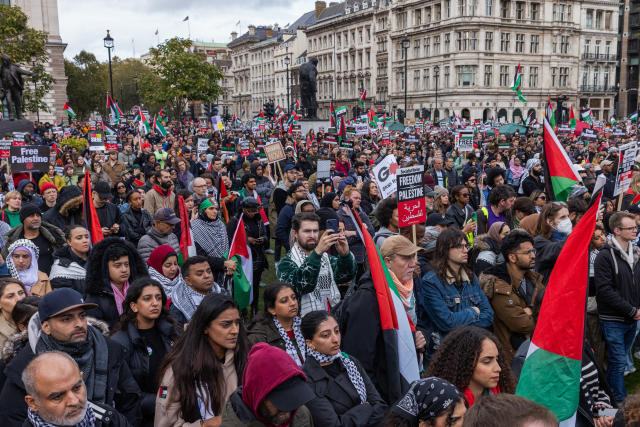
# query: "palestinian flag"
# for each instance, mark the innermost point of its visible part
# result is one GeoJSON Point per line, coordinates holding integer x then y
{"type": "Point", "coordinates": [572, 118]}
{"type": "Point", "coordinates": [397, 328]}
{"type": "Point", "coordinates": [114, 112]}
{"type": "Point", "coordinates": [549, 114]}
{"type": "Point", "coordinates": [551, 372]}
{"type": "Point", "coordinates": [333, 115]}
{"type": "Point", "coordinates": [341, 112]}
{"type": "Point", "coordinates": [634, 116]}
{"type": "Point", "coordinates": [612, 120]}
{"type": "Point", "coordinates": [561, 175]}
{"type": "Point", "coordinates": [144, 126]}
{"type": "Point", "coordinates": [107, 129]}
{"type": "Point", "coordinates": [297, 104]}
{"type": "Point", "coordinates": [530, 120]}
{"type": "Point", "coordinates": [342, 132]}
{"type": "Point", "coordinates": [363, 96]}
{"type": "Point", "coordinates": [243, 276]}
{"type": "Point", "coordinates": [586, 115]}
{"type": "Point", "coordinates": [185, 231]}
{"type": "Point", "coordinates": [68, 110]}
{"type": "Point", "coordinates": [516, 86]}
{"type": "Point", "coordinates": [61, 122]}
{"type": "Point", "coordinates": [158, 126]}
{"type": "Point", "coordinates": [89, 211]}
{"type": "Point", "coordinates": [292, 119]}
{"type": "Point", "coordinates": [279, 113]}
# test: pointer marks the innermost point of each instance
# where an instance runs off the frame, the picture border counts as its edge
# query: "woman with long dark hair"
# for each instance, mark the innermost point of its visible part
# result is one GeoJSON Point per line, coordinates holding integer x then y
{"type": "Point", "coordinates": [370, 197]}
{"type": "Point", "coordinates": [279, 324]}
{"type": "Point", "coordinates": [11, 291]}
{"type": "Point", "coordinates": [204, 366]}
{"type": "Point", "coordinates": [472, 359]}
{"type": "Point", "coordinates": [147, 331]}
{"type": "Point", "coordinates": [345, 394]}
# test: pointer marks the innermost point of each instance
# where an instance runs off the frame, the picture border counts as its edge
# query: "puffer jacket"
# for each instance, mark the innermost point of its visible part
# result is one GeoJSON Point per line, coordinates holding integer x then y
{"type": "Point", "coordinates": [153, 239]}
{"type": "Point", "coordinates": [68, 209]}
{"type": "Point", "coordinates": [617, 284]}
{"type": "Point", "coordinates": [68, 270]}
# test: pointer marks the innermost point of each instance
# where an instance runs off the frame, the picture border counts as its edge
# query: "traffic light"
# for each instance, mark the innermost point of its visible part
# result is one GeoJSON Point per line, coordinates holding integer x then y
{"type": "Point", "coordinates": [214, 109]}
{"type": "Point", "coordinates": [192, 111]}
{"type": "Point", "coordinates": [207, 109]}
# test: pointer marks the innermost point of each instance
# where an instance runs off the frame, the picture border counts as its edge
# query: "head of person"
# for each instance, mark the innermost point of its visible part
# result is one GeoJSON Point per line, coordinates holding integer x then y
{"type": "Point", "coordinates": [536, 170]}
{"type": "Point", "coordinates": [511, 410]}
{"type": "Point", "coordinates": [441, 197]}
{"type": "Point", "coordinates": [250, 206]}
{"type": "Point", "coordinates": [215, 330]}
{"type": "Point", "coordinates": [429, 402]}
{"type": "Point", "coordinates": [469, 179]}
{"type": "Point", "coordinates": [249, 182]}
{"type": "Point", "coordinates": [165, 220]}
{"type": "Point", "coordinates": [438, 163]}
{"type": "Point", "coordinates": [101, 194]}
{"type": "Point", "coordinates": [197, 273]}
{"type": "Point", "coordinates": [121, 189]}
{"type": "Point", "coordinates": [23, 310]}
{"type": "Point", "coordinates": [297, 191]}
{"type": "Point", "coordinates": [55, 390]}
{"type": "Point", "coordinates": [305, 227]}
{"type": "Point", "coordinates": [290, 173]}
{"type": "Point", "coordinates": [164, 260]}
{"type": "Point", "coordinates": [280, 301]}
{"type": "Point", "coordinates": [577, 206]}
{"type": "Point", "coordinates": [502, 197]}
{"type": "Point", "coordinates": [144, 303]}
{"type": "Point", "coordinates": [387, 213]}
{"type": "Point", "coordinates": [607, 166]}
{"type": "Point", "coordinates": [11, 291]}
{"type": "Point", "coordinates": [208, 209]}
{"type": "Point", "coordinates": [31, 217]}
{"type": "Point", "coordinates": [370, 189]}
{"type": "Point", "coordinates": [460, 194]}
{"type": "Point", "coordinates": [538, 197]}
{"type": "Point", "coordinates": [554, 217]}
{"type": "Point", "coordinates": [518, 251]}
{"type": "Point", "coordinates": [498, 231]}
{"type": "Point", "coordinates": [523, 206]}
{"type": "Point", "coordinates": [199, 186]}
{"type": "Point", "coordinates": [623, 226]}
{"type": "Point", "coordinates": [163, 179]}
{"type": "Point", "coordinates": [353, 195]}
{"type": "Point", "coordinates": [495, 176]}
{"type": "Point", "coordinates": [63, 314]}
{"type": "Point", "coordinates": [471, 358]}
{"type": "Point", "coordinates": [49, 193]}
{"type": "Point", "coordinates": [598, 239]}
{"type": "Point", "coordinates": [12, 201]}
{"type": "Point", "coordinates": [399, 254]}
{"type": "Point", "coordinates": [134, 199]}
{"type": "Point", "coordinates": [77, 238]}
{"type": "Point", "coordinates": [321, 332]}
{"type": "Point", "coordinates": [451, 254]}
{"type": "Point", "coordinates": [330, 200]}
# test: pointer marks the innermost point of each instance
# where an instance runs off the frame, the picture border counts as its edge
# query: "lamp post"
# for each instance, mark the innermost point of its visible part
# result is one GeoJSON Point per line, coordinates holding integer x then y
{"type": "Point", "coordinates": [405, 46]}
{"type": "Point", "coordinates": [287, 61]}
{"type": "Point", "coordinates": [436, 73]}
{"type": "Point", "coordinates": [35, 93]}
{"type": "Point", "coordinates": [108, 43]}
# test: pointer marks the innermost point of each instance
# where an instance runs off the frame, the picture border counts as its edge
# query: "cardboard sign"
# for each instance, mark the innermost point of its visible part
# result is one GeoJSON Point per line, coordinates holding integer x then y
{"type": "Point", "coordinates": [324, 169]}
{"type": "Point", "coordinates": [385, 175]}
{"type": "Point", "coordinates": [29, 158]}
{"type": "Point", "coordinates": [203, 145]}
{"type": "Point", "coordinates": [362, 128]}
{"type": "Point", "coordinates": [96, 142]}
{"type": "Point", "coordinates": [274, 152]}
{"type": "Point", "coordinates": [625, 163]}
{"type": "Point", "coordinates": [411, 202]}
{"type": "Point", "coordinates": [465, 140]}
{"type": "Point", "coordinates": [5, 147]}
{"type": "Point", "coordinates": [111, 143]}
{"type": "Point", "coordinates": [244, 148]}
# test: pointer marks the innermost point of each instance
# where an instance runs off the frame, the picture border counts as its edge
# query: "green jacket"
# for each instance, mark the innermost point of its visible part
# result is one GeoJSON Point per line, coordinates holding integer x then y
{"type": "Point", "coordinates": [303, 279]}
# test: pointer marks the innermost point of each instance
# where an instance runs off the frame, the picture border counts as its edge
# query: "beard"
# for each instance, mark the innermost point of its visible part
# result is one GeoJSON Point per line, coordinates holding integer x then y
{"type": "Point", "coordinates": [65, 420]}
{"type": "Point", "coordinates": [165, 185]}
{"type": "Point", "coordinates": [308, 245]}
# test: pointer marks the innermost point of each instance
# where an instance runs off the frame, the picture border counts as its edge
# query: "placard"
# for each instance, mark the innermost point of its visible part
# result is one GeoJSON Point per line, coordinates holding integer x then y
{"type": "Point", "coordinates": [465, 140]}
{"type": "Point", "coordinates": [324, 169]}
{"type": "Point", "coordinates": [411, 202]}
{"type": "Point", "coordinates": [29, 159]}
{"type": "Point", "coordinates": [19, 139]}
{"type": "Point", "coordinates": [5, 148]}
{"type": "Point", "coordinates": [385, 175]}
{"type": "Point", "coordinates": [274, 152]}
{"type": "Point", "coordinates": [385, 139]}
{"type": "Point", "coordinates": [203, 145]}
{"type": "Point", "coordinates": [625, 163]}
{"type": "Point", "coordinates": [244, 148]}
{"type": "Point", "coordinates": [96, 142]}
{"type": "Point", "coordinates": [111, 143]}
{"type": "Point", "coordinates": [362, 128]}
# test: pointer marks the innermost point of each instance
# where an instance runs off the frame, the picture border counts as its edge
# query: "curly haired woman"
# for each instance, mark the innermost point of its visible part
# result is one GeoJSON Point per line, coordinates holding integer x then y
{"type": "Point", "coordinates": [472, 359]}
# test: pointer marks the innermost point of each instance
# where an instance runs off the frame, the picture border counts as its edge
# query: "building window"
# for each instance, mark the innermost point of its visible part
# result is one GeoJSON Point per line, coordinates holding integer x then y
{"type": "Point", "coordinates": [416, 80]}
{"type": "Point", "coordinates": [589, 21]}
{"type": "Point", "coordinates": [535, 11]}
{"type": "Point", "coordinates": [564, 76]}
{"type": "Point", "coordinates": [401, 20]}
{"type": "Point", "coordinates": [427, 47]}
{"type": "Point", "coordinates": [425, 78]}
{"type": "Point", "coordinates": [519, 43]}
{"type": "Point", "coordinates": [505, 9]}
{"type": "Point", "coordinates": [446, 76]}
{"type": "Point", "coordinates": [520, 10]}
{"type": "Point", "coordinates": [605, 78]}
{"type": "Point", "coordinates": [489, 7]}
{"type": "Point", "coordinates": [596, 71]}
{"type": "Point", "coordinates": [447, 42]}
{"type": "Point", "coordinates": [417, 14]}
{"type": "Point", "coordinates": [447, 7]}
{"type": "Point", "coordinates": [436, 45]}
{"type": "Point", "coordinates": [466, 75]}
{"type": "Point", "coordinates": [488, 75]}
{"type": "Point", "coordinates": [427, 17]}
{"type": "Point", "coordinates": [416, 49]}
{"type": "Point", "coordinates": [587, 46]}
{"type": "Point", "coordinates": [504, 75]}
{"type": "Point", "coordinates": [585, 75]}
{"type": "Point", "coordinates": [599, 20]}
{"type": "Point", "coordinates": [597, 52]}
{"type": "Point", "coordinates": [488, 41]}
{"type": "Point", "coordinates": [438, 13]}
{"type": "Point", "coordinates": [533, 76]}
{"type": "Point", "coordinates": [564, 44]}
{"type": "Point", "coordinates": [554, 76]}
{"type": "Point", "coordinates": [554, 44]}
{"type": "Point", "coordinates": [535, 43]}
{"type": "Point", "coordinates": [607, 20]}
{"type": "Point", "coordinates": [504, 42]}
{"type": "Point", "coordinates": [607, 48]}
{"type": "Point", "coordinates": [474, 40]}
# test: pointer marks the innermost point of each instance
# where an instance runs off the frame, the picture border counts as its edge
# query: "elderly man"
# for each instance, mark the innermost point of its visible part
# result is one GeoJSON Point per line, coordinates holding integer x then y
{"type": "Point", "coordinates": [160, 234]}
{"type": "Point", "coordinates": [199, 187]}
{"type": "Point", "coordinates": [57, 395]}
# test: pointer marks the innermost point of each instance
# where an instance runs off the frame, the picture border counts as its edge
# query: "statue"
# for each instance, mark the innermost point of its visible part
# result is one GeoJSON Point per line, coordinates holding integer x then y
{"type": "Point", "coordinates": [12, 85]}
{"type": "Point", "coordinates": [308, 76]}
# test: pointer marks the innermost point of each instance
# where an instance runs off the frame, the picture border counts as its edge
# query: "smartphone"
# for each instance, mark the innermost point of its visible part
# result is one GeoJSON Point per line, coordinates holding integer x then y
{"type": "Point", "coordinates": [332, 224]}
{"type": "Point", "coordinates": [607, 412]}
{"type": "Point", "coordinates": [474, 217]}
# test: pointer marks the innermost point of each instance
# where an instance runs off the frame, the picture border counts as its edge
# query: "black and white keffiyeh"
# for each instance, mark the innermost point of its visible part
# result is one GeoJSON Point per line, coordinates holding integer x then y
{"type": "Point", "coordinates": [167, 284]}
{"type": "Point", "coordinates": [187, 300]}
{"type": "Point", "coordinates": [352, 370]}
{"type": "Point", "coordinates": [426, 399]}
{"type": "Point", "coordinates": [297, 334]}
{"type": "Point", "coordinates": [89, 419]}
{"type": "Point", "coordinates": [210, 235]}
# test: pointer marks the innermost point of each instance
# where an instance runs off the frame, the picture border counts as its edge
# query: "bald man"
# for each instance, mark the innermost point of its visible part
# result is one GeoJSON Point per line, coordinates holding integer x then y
{"type": "Point", "coordinates": [56, 395]}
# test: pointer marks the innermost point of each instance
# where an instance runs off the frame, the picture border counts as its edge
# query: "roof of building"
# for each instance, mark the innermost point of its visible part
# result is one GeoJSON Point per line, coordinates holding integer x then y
{"type": "Point", "coordinates": [304, 21]}
{"type": "Point", "coordinates": [198, 43]}
{"type": "Point", "coordinates": [332, 11]}
{"type": "Point", "coordinates": [260, 34]}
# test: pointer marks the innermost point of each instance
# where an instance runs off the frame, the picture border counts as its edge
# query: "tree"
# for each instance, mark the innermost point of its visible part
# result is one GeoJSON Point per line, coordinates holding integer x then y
{"type": "Point", "coordinates": [127, 74]}
{"type": "Point", "coordinates": [179, 76]}
{"type": "Point", "coordinates": [87, 84]}
{"type": "Point", "coordinates": [26, 46]}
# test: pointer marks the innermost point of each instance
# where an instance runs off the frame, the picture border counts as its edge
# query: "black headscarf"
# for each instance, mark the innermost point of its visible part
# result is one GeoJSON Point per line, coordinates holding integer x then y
{"type": "Point", "coordinates": [426, 399]}
{"type": "Point", "coordinates": [326, 201]}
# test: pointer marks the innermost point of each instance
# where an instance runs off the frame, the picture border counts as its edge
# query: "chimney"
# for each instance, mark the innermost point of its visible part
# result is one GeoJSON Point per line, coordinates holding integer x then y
{"type": "Point", "coordinates": [234, 36]}
{"type": "Point", "coordinates": [276, 27]}
{"type": "Point", "coordinates": [269, 32]}
{"type": "Point", "coordinates": [320, 6]}
{"type": "Point", "coordinates": [252, 30]}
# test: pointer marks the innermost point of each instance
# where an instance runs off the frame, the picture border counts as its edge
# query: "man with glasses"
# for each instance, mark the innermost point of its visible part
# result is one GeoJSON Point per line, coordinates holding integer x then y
{"type": "Point", "coordinates": [512, 288]}
{"type": "Point", "coordinates": [199, 187]}
{"type": "Point", "coordinates": [471, 182]}
{"type": "Point", "coordinates": [617, 278]}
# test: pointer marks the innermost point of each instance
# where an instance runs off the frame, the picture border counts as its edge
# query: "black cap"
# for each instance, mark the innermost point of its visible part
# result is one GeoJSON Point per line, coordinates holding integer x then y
{"type": "Point", "coordinates": [27, 210]}
{"type": "Point", "coordinates": [166, 215]}
{"type": "Point", "coordinates": [59, 301]}
{"type": "Point", "coordinates": [634, 209]}
{"type": "Point", "coordinates": [249, 203]}
{"type": "Point", "coordinates": [291, 394]}
{"type": "Point", "coordinates": [103, 190]}
{"type": "Point", "coordinates": [436, 218]}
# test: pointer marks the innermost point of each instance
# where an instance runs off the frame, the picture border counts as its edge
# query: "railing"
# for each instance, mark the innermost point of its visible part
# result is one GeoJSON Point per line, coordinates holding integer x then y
{"type": "Point", "coordinates": [596, 88]}
{"type": "Point", "coordinates": [599, 57]}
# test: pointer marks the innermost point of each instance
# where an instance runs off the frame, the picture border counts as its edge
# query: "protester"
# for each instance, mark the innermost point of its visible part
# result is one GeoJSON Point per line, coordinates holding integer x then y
{"type": "Point", "coordinates": [160, 234]}
{"type": "Point", "coordinates": [69, 266]}
{"type": "Point", "coordinates": [68, 209]}
{"type": "Point", "coordinates": [552, 229]}
{"type": "Point", "coordinates": [164, 269]}
{"type": "Point", "coordinates": [351, 203]}
{"type": "Point", "coordinates": [49, 193]}
{"type": "Point", "coordinates": [11, 291]}
{"type": "Point", "coordinates": [499, 204]}
{"type": "Point", "coordinates": [510, 410]}
{"type": "Point", "coordinates": [22, 262]}
{"type": "Point", "coordinates": [486, 248]}
{"type": "Point", "coordinates": [136, 221]}
{"type": "Point", "coordinates": [11, 209]}
{"type": "Point", "coordinates": [160, 196]}
{"type": "Point", "coordinates": [387, 215]}
{"type": "Point", "coordinates": [296, 193]}
{"type": "Point", "coordinates": [109, 215]}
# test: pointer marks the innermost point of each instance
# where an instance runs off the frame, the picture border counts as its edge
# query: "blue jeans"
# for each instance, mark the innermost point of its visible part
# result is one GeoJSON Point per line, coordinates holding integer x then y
{"type": "Point", "coordinates": [619, 338]}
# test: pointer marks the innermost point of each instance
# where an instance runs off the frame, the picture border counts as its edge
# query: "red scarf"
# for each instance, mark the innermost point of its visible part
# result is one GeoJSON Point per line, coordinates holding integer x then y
{"type": "Point", "coordinates": [159, 190]}
{"type": "Point", "coordinates": [470, 398]}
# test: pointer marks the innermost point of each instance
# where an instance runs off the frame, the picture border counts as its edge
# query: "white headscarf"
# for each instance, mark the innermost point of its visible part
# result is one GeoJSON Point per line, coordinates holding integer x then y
{"type": "Point", "coordinates": [28, 277]}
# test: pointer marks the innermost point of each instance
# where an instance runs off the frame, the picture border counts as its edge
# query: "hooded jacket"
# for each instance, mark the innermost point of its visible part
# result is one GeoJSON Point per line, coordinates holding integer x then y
{"type": "Point", "coordinates": [153, 239]}
{"type": "Point", "coordinates": [98, 287]}
{"type": "Point", "coordinates": [264, 186]}
{"type": "Point", "coordinates": [68, 209]}
{"type": "Point", "coordinates": [131, 224]}
{"type": "Point", "coordinates": [617, 284]}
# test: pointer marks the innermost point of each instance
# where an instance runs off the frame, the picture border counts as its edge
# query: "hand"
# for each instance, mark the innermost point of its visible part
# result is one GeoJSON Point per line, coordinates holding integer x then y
{"type": "Point", "coordinates": [327, 240]}
{"type": "Point", "coordinates": [469, 227]}
{"type": "Point", "coordinates": [342, 246]}
{"type": "Point", "coordinates": [106, 231]}
{"type": "Point", "coordinates": [637, 316]}
{"type": "Point", "coordinates": [420, 341]}
{"type": "Point", "coordinates": [230, 266]}
{"type": "Point", "coordinates": [603, 421]}
{"type": "Point", "coordinates": [252, 241]}
{"type": "Point", "coordinates": [476, 309]}
{"type": "Point", "coordinates": [212, 422]}
{"type": "Point", "coordinates": [115, 228]}
{"type": "Point", "coordinates": [528, 311]}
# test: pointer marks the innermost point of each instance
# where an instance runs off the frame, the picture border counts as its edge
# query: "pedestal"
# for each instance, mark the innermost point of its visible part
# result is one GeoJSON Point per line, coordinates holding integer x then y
{"type": "Point", "coordinates": [307, 124]}
{"type": "Point", "coordinates": [10, 126]}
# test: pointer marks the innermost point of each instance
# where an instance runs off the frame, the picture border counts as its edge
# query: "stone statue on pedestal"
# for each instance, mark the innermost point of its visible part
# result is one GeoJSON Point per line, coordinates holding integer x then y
{"type": "Point", "coordinates": [12, 86]}
{"type": "Point", "coordinates": [308, 76]}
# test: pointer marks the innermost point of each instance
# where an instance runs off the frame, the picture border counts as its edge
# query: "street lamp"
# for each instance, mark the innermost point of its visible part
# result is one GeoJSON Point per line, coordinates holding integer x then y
{"type": "Point", "coordinates": [287, 61]}
{"type": "Point", "coordinates": [35, 93]}
{"type": "Point", "coordinates": [436, 73]}
{"type": "Point", "coordinates": [108, 43]}
{"type": "Point", "coordinates": [405, 46]}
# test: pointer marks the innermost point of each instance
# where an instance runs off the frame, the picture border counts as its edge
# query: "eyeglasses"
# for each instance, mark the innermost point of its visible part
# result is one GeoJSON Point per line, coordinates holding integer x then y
{"type": "Point", "coordinates": [464, 194]}
{"type": "Point", "coordinates": [529, 252]}
{"type": "Point", "coordinates": [462, 246]}
{"type": "Point", "coordinates": [628, 228]}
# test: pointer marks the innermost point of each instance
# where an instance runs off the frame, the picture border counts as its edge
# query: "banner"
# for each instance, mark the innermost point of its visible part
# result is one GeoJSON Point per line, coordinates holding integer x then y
{"type": "Point", "coordinates": [96, 142]}
{"type": "Point", "coordinates": [465, 140]}
{"type": "Point", "coordinates": [29, 158]}
{"type": "Point", "coordinates": [625, 164]}
{"type": "Point", "coordinates": [274, 152]}
{"type": "Point", "coordinates": [324, 169]}
{"type": "Point", "coordinates": [385, 175]}
{"type": "Point", "coordinates": [411, 202]}
{"type": "Point", "coordinates": [203, 146]}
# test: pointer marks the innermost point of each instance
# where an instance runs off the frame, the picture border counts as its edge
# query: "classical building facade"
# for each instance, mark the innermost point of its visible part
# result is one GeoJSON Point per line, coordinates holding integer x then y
{"type": "Point", "coordinates": [43, 15]}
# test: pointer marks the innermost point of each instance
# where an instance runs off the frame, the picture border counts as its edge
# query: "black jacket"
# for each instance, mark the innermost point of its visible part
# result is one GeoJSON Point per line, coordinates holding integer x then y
{"type": "Point", "coordinates": [458, 215]}
{"type": "Point", "coordinates": [547, 252]}
{"type": "Point", "coordinates": [105, 416]}
{"type": "Point", "coordinates": [262, 329]}
{"type": "Point", "coordinates": [137, 357]}
{"type": "Point", "coordinates": [530, 184]}
{"type": "Point", "coordinates": [108, 215]}
{"type": "Point", "coordinates": [617, 284]}
{"type": "Point", "coordinates": [63, 274]}
{"type": "Point", "coordinates": [122, 389]}
{"type": "Point", "coordinates": [132, 227]}
{"type": "Point", "coordinates": [68, 209]}
{"type": "Point", "coordinates": [337, 402]}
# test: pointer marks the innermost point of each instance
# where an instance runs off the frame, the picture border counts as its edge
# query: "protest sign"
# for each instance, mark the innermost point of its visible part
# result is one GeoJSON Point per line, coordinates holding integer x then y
{"type": "Point", "coordinates": [274, 152]}
{"type": "Point", "coordinates": [411, 202]}
{"type": "Point", "coordinates": [29, 158]}
{"type": "Point", "coordinates": [330, 139]}
{"type": "Point", "coordinates": [324, 169]}
{"type": "Point", "coordinates": [625, 163]}
{"type": "Point", "coordinates": [96, 142]}
{"type": "Point", "coordinates": [5, 147]}
{"type": "Point", "coordinates": [244, 148]}
{"type": "Point", "coordinates": [385, 175]}
{"type": "Point", "coordinates": [362, 128]}
{"type": "Point", "coordinates": [465, 140]}
{"type": "Point", "coordinates": [19, 139]}
{"type": "Point", "coordinates": [385, 139]}
{"type": "Point", "coordinates": [345, 144]}
{"type": "Point", "coordinates": [111, 143]}
{"type": "Point", "coordinates": [203, 145]}
{"type": "Point", "coordinates": [59, 170]}
{"type": "Point", "coordinates": [228, 146]}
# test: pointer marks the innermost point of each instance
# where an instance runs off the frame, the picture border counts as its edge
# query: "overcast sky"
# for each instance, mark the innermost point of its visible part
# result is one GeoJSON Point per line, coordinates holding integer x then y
{"type": "Point", "coordinates": [83, 24]}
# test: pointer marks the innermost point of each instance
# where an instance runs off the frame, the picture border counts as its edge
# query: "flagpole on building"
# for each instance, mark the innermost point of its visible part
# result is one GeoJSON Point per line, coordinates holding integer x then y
{"type": "Point", "coordinates": [189, 28]}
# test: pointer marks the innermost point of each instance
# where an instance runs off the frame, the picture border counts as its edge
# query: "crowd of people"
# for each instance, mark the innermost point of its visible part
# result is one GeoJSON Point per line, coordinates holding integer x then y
{"type": "Point", "coordinates": [144, 328]}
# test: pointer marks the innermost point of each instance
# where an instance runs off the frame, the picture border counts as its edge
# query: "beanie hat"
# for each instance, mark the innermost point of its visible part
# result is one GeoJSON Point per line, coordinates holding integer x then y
{"type": "Point", "coordinates": [47, 185]}
{"type": "Point", "coordinates": [27, 210]}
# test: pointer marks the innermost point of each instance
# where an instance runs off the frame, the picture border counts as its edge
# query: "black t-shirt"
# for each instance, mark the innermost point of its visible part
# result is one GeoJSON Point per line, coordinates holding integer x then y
{"type": "Point", "coordinates": [155, 348]}
{"type": "Point", "coordinates": [45, 253]}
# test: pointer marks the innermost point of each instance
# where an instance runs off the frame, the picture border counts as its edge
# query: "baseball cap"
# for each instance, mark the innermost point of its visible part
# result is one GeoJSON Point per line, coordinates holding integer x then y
{"type": "Point", "coordinates": [291, 394]}
{"type": "Point", "coordinates": [60, 301]}
{"type": "Point", "coordinates": [606, 162]}
{"type": "Point", "coordinates": [436, 218]}
{"type": "Point", "coordinates": [103, 190]}
{"type": "Point", "coordinates": [249, 203]}
{"type": "Point", "coordinates": [398, 245]}
{"type": "Point", "coordinates": [166, 215]}
{"type": "Point", "coordinates": [289, 167]}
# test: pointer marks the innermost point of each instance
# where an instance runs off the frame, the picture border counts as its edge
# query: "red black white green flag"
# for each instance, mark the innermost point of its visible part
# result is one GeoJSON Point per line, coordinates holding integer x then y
{"type": "Point", "coordinates": [561, 174]}
{"type": "Point", "coordinates": [89, 211]}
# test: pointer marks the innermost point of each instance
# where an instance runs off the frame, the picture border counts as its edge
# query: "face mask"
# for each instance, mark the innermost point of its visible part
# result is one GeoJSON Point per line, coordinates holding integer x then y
{"type": "Point", "coordinates": [478, 155]}
{"type": "Point", "coordinates": [565, 226]}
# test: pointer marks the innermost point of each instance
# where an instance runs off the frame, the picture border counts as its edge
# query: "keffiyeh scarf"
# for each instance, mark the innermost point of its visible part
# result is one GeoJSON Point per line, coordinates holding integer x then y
{"type": "Point", "coordinates": [297, 334]}
{"type": "Point", "coordinates": [187, 300]}
{"type": "Point", "coordinates": [28, 277]}
{"type": "Point", "coordinates": [426, 399]}
{"type": "Point", "coordinates": [89, 419]}
{"type": "Point", "coordinates": [210, 235]}
{"type": "Point", "coordinates": [168, 285]}
{"type": "Point", "coordinates": [352, 370]}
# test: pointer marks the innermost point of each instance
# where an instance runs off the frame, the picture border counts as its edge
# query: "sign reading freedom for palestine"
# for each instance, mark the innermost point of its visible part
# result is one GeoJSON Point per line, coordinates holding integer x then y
{"type": "Point", "coordinates": [411, 203]}
{"type": "Point", "coordinates": [29, 158]}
